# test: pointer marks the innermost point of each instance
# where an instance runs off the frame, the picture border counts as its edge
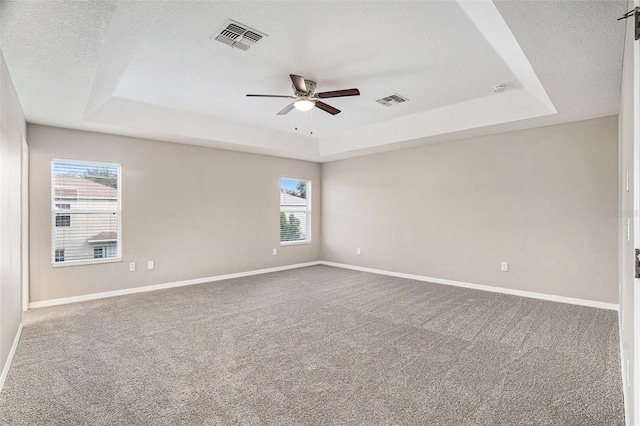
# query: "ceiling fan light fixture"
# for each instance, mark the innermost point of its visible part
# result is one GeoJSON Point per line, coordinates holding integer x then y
{"type": "Point", "coordinates": [305, 96]}
{"type": "Point", "coordinates": [303, 104]}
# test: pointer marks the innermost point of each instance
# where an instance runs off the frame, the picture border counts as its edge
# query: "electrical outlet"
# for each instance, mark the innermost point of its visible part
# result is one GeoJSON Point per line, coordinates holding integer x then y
{"type": "Point", "coordinates": [275, 252]}
{"type": "Point", "coordinates": [359, 251]}
{"type": "Point", "coordinates": [150, 264]}
{"type": "Point", "coordinates": [504, 266]}
{"type": "Point", "coordinates": [132, 266]}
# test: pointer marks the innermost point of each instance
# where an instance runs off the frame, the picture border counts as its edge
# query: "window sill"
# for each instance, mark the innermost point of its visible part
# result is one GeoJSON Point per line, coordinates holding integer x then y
{"type": "Point", "coordinates": [85, 262]}
{"type": "Point", "coordinates": [294, 243]}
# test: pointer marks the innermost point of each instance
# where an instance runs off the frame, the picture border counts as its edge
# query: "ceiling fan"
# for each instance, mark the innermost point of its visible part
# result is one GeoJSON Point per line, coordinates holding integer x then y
{"type": "Point", "coordinates": [305, 97]}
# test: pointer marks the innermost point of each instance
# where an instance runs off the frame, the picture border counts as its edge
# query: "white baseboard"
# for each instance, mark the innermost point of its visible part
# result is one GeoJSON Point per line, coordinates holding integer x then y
{"type": "Point", "coordinates": [530, 294]}
{"type": "Point", "coordinates": [543, 296]}
{"type": "Point", "coordinates": [5, 370]}
{"type": "Point", "coordinates": [94, 296]}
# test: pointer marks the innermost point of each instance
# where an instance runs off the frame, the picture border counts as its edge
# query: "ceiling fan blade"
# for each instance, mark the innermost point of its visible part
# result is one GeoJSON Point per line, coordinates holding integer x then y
{"type": "Point", "coordinates": [286, 109]}
{"type": "Point", "coordinates": [272, 96]}
{"type": "Point", "coordinates": [338, 93]}
{"type": "Point", "coordinates": [298, 83]}
{"type": "Point", "coordinates": [328, 108]}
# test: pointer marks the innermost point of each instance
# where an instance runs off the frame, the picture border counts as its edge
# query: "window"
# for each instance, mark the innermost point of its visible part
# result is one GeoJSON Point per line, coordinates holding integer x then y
{"type": "Point", "coordinates": [63, 220]}
{"type": "Point", "coordinates": [105, 251]}
{"type": "Point", "coordinates": [59, 255]}
{"type": "Point", "coordinates": [86, 212]}
{"type": "Point", "coordinates": [295, 211]}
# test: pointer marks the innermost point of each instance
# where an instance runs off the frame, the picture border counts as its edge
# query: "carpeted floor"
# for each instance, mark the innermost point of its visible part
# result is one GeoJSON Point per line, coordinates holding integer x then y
{"type": "Point", "coordinates": [316, 346]}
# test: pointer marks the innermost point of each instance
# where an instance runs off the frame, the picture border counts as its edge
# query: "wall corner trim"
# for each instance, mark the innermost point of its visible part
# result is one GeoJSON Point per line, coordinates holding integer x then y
{"type": "Point", "coordinates": [623, 371]}
{"type": "Point", "coordinates": [134, 290]}
{"type": "Point", "coordinates": [522, 293]}
{"type": "Point", "coordinates": [7, 365]}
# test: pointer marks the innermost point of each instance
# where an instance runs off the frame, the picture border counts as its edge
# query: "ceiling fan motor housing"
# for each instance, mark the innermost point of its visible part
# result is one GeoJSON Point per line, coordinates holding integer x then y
{"type": "Point", "coordinates": [311, 88]}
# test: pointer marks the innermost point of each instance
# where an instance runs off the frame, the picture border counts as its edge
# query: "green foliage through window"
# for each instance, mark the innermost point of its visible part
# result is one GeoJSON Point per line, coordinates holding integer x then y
{"type": "Point", "coordinates": [103, 175]}
{"type": "Point", "coordinates": [289, 228]}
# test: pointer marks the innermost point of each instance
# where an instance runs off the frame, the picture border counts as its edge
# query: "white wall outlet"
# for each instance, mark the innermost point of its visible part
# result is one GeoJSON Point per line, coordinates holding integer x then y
{"type": "Point", "coordinates": [150, 264]}
{"type": "Point", "coordinates": [275, 252]}
{"type": "Point", "coordinates": [504, 266]}
{"type": "Point", "coordinates": [359, 251]}
{"type": "Point", "coordinates": [132, 266]}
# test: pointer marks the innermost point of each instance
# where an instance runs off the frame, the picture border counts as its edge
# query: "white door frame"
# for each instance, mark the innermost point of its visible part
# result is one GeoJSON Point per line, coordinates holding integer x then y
{"type": "Point", "coordinates": [635, 380]}
{"type": "Point", "coordinates": [634, 406]}
{"type": "Point", "coordinates": [24, 224]}
{"type": "Point", "coordinates": [629, 225]}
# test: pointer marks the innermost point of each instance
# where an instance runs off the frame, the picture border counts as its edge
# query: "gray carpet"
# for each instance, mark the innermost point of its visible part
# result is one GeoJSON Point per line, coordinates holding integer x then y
{"type": "Point", "coordinates": [316, 346]}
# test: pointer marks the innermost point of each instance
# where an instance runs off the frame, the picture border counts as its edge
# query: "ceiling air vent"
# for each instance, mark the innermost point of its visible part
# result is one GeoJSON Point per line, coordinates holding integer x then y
{"type": "Point", "coordinates": [392, 100]}
{"type": "Point", "coordinates": [238, 35]}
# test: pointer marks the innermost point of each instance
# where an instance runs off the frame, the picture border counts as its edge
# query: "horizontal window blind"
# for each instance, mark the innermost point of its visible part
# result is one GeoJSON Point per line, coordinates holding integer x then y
{"type": "Point", "coordinates": [295, 210]}
{"type": "Point", "coordinates": [86, 212]}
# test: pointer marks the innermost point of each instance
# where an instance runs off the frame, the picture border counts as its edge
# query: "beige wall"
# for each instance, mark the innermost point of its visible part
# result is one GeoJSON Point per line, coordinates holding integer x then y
{"type": "Point", "coordinates": [12, 129]}
{"type": "Point", "coordinates": [544, 200]}
{"type": "Point", "coordinates": [629, 125]}
{"type": "Point", "coordinates": [196, 212]}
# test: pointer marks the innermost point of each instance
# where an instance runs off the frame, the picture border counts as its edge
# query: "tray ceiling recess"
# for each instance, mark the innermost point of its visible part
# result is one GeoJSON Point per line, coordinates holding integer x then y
{"type": "Point", "coordinates": [164, 70]}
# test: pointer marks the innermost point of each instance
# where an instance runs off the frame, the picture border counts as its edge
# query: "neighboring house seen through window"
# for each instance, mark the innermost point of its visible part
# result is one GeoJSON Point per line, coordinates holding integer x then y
{"type": "Point", "coordinates": [86, 212]}
{"type": "Point", "coordinates": [295, 211]}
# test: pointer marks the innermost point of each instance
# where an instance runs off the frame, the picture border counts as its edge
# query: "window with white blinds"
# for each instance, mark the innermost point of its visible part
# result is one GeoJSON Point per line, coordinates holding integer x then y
{"type": "Point", "coordinates": [86, 213]}
{"type": "Point", "coordinates": [295, 211]}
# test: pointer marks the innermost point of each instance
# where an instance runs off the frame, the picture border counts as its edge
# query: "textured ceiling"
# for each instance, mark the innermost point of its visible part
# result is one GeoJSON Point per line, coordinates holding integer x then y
{"type": "Point", "coordinates": [151, 69]}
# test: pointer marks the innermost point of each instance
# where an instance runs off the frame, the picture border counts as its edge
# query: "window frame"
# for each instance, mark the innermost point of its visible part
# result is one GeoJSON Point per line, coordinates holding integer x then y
{"type": "Point", "coordinates": [308, 212]}
{"type": "Point", "coordinates": [59, 208]}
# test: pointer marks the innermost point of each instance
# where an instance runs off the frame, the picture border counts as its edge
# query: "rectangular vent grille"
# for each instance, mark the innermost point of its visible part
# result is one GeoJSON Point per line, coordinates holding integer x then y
{"type": "Point", "coordinates": [392, 100]}
{"type": "Point", "coordinates": [238, 35]}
